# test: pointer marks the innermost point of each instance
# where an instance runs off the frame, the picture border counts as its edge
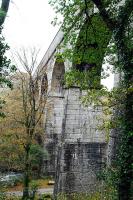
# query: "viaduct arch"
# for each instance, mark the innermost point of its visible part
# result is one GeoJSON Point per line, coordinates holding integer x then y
{"type": "Point", "coordinates": [77, 149]}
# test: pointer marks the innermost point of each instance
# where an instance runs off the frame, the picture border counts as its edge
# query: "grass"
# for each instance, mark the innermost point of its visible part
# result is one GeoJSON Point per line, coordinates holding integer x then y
{"type": "Point", "coordinates": [42, 183]}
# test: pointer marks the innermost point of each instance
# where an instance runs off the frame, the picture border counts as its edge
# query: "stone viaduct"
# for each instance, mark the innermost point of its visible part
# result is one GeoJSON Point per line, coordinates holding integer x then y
{"type": "Point", "coordinates": [77, 149]}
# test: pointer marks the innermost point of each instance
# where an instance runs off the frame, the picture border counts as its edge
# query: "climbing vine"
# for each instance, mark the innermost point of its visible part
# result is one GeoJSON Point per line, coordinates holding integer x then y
{"type": "Point", "coordinates": [86, 56]}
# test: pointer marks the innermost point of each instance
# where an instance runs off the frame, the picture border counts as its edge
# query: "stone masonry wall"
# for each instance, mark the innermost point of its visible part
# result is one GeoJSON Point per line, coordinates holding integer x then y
{"type": "Point", "coordinates": [77, 148]}
{"type": "Point", "coordinates": [83, 150]}
{"type": "Point", "coordinates": [80, 164]}
{"type": "Point", "coordinates": [54, 116]}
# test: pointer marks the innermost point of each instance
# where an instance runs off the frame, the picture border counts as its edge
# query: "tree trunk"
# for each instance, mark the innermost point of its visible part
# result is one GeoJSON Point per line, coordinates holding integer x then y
{"type": "Point", "coordinates": [4, 9]}
{"type": "Point", "coordinates": [126, 152]}
{"type": "Point", "coordinates": [26, 186]}
{"type": "Point", "coordinates": [26, 174]}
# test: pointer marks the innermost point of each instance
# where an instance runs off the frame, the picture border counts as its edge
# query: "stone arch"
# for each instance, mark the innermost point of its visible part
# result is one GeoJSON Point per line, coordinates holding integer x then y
{"type": "Point", "coordinates": [44, 84]}
{"type": "Point", "coordinates": [57, 77]}
{"type": "Point", "coordinates": [37, 87]}
{"type": "Point", "coordinates": [41, 85]}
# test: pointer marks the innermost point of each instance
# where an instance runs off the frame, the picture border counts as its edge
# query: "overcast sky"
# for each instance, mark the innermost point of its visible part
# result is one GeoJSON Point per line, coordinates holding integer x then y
{"type": "Point", "coordinates": [28, 24]}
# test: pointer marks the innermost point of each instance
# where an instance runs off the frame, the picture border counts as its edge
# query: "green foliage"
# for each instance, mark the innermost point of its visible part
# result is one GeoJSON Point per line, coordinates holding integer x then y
{"type": "Point", "coordinates": [45, 197]}
{"type": "Point", "coordinates": [2, 13]}
{"type": "Point", "coordinates": [33, 189]}
{"type": "Point", "coordinates": [5, 67]}
{"type": "Point", "coordinates": [83, 79]}
{"type": "Point", "coordinates": [5, 64]}
{"type": "Point", "coordinates": [36, 156]}
{"type": "Point", "coordinates": [12, 154]}
{"type": "Point", "coordinates": [103, 193]}
{"type": "Point", "coordinates": [91, 44]}
{"type": "Point", "coordinates": [81, 27]}
{"type": "Point", "coordinates": [88, 46]}
{"type": "Point", "coordinates": [109, 177]}
{"type": "Point", "coordinates": [59, 58]}
{"type": "Point", "coordinates": [11, 151]}
{"type": "Point", "coordinates": [3, 196]}
{"type": "Point", "coordinates": [2, 103]}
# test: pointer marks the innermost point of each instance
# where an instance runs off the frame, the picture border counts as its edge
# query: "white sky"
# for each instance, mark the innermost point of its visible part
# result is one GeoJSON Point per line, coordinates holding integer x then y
{"type": "Point", "coordinates": [28, 24]}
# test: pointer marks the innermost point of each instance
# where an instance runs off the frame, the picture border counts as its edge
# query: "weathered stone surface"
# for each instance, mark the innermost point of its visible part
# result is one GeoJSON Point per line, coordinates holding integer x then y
{"type": "Point", "coordinates": [77, 149]}
{"type": "Point", "coordinates": [79, 145]}
{"type": "Point", "coordinates": [80, 164]}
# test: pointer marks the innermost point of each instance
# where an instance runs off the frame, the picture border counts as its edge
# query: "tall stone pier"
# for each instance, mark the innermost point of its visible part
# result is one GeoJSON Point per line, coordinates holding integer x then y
{"type": "Point", "coordinates": [81, 150]}
{"type": "Point", "coordinates": [77, 148]}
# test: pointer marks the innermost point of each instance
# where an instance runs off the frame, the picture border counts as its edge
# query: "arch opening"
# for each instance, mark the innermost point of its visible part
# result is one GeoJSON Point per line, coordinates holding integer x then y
{"type": "Point", "coordinates": [57, 78]}
{"type": "Point", "coordinates": [44, 85]}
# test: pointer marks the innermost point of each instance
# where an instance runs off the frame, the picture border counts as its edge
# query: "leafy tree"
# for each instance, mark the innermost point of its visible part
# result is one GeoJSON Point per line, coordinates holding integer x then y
{"type": "Point", "coordinates": [5, 64]}
{"type": "Point", "coordinates": [23, 126]}
{"type": "Point", "coordinates": [117, 17]}
{"type": "Point", "coordinates": [33, 103]}
{"type": "Point", "coordinates": [12, 134]}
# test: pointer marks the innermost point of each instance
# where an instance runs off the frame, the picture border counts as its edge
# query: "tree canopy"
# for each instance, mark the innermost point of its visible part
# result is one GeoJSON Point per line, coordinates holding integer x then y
{"type": "Point", "coordinates": [6, 67]}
